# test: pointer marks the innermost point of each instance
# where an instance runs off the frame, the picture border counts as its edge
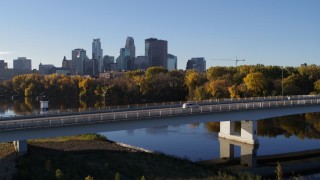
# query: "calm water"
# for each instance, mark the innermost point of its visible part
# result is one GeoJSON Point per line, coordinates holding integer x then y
{"type": "Point", "coordinates": [200, 141]}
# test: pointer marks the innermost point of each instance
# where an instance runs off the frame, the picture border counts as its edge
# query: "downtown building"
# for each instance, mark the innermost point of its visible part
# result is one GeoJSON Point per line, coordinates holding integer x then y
{"type": "Point", "coordinates": [97, 57]}
{"type": "Point", "coordinates": [77, 61]}
{"type": "Point", "coordinates": [172, 62]}
{"type": "Point", "coordinates": [125, 60]}
{"type": "Point", "coordinates": [198, 64]}
{"type": "Point", "coordinates": [22, 63]}
{"type": "Point", "coordinates": [156, 52]}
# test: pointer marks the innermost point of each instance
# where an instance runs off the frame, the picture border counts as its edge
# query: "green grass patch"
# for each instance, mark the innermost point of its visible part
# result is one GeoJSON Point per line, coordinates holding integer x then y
{"type": "Point", "coordinates": [81, 137]}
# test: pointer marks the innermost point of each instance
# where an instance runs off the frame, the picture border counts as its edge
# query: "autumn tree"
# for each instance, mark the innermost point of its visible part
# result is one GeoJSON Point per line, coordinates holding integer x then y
{"type": "Point", "coordinates": [256, 83]}
{"type": "Point", "coordinates": [193, 79]}
{"type": "Point", "coordinates": [218, 88]}
{"type": "Point", "coordinates": [317, 86]}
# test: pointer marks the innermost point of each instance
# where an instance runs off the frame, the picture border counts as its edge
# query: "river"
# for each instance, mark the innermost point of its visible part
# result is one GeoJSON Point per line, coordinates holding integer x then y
{"type": "Point", "coordinates": [200, 141]}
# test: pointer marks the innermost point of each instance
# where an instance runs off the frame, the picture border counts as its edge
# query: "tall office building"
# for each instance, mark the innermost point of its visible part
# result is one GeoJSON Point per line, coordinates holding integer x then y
{"type": "Point", "coordinates": [97, 55]}
{"type": "Point", "coordinates": [197, 63]}
{"type": "Point", "coordinates": [109, 64]}
{"type": "Point", "coordinates": [78, 58]}
{"type": "Point", "coordinates": [126, 59]}
{"type": "Point", "coordinates": [130, 45]}
{"type": "Point", "coordinates": [172, 62]}
{"type": "Point", "coordinates": [3, 65]}
{"type": "Point", "coordinates": [22, 63]}
{"type": "Point", "coordinates": [123, 61]}
{"type": "Point", "coordinates": [141, 63]}
{"type": "Point", "coordinates": [156, 52]}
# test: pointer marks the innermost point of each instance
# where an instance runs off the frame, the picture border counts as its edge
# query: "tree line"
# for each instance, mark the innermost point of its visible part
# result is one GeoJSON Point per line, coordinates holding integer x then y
{"type": "Point", "coordinates": [158, 84]}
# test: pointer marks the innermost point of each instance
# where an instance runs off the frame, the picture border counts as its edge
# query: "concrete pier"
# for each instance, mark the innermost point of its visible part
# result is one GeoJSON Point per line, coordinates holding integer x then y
{"type": "Point", "coordinates": [248, 133]}
{"type": "Point", "coordinates": [21, 147]}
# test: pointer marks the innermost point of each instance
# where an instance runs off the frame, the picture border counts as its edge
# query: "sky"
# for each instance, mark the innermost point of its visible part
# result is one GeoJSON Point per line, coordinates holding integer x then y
{"type": "Point", "coordinates": [270, 32]}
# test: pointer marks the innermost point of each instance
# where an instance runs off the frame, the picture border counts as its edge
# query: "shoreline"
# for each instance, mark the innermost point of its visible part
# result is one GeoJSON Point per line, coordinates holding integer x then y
{"type": "Point", "coordinates": [302, 163]}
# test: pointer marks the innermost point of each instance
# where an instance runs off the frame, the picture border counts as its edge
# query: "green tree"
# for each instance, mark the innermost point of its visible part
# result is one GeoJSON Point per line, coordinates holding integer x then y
{"type": "Point", "coordinates": [292, 85]}
{"type": "Point", "coordinates": [59, 174]}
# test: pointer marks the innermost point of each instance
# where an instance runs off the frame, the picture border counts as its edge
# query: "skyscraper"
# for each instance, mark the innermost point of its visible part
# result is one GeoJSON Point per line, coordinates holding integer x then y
{"type": "Point", "coordinates": [126, 59]}
{"type": "Point", "coordinates": [197, 63]}
{"type": "Point", "coordinates": [130, 45]}
{"type": "Point", "coordinates": [132, 49]}
{"type": "Point", "coordinates": [78, 57]}
{"type": "Point", "coordinates": [172, 62]}
{"type": "Point", "coordinates": [156, 52]}
{"type": "Point", "coordinates": [3, 65]}
{"type": "Point", "coordinates": [123, 61]}
{"type": "Point", "coordinates": [97, 54]}
{"type": "Point", "coordinates": [22, 63]}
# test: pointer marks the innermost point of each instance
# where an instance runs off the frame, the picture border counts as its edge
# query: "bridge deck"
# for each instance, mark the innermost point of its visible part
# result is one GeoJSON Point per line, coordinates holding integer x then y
{"type": "Point", "coordinates": [67, 120]}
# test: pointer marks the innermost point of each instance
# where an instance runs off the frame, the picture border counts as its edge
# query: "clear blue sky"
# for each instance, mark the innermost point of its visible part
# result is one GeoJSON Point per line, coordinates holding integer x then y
{"type": "Point", "coordinates": [273, 32]}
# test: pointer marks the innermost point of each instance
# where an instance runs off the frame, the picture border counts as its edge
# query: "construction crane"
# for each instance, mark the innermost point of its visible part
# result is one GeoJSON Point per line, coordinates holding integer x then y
{"type": "Point", "coordinates": [236, 60]}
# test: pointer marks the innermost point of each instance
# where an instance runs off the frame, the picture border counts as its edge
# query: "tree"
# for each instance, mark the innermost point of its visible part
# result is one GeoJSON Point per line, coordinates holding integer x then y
{"type": "Point", "coordinates": [118, 176]}
{"type": "Point", "coordinates": [218, 88]}
{"type": "Point", "coordinates": [291, 85]}
{"type": "Point", "coordinates": [279, 171]}
{"type": "Point", "coordinates": [152, 71]}
{"type": "Point", "coordinates": [317, 86]}
{"type": "Point", "coordinates": [217, 72]}
{"type": "Point", "coordinates": [193, 79]}
{"type": "Point", "coordinates": [59, 174]}
{"type": "Point", "coordinates": [88, 178]}
{"type": "Point", "coordinates": [200, 93]}
{"type": "Point", "coordinates": [256, 84]}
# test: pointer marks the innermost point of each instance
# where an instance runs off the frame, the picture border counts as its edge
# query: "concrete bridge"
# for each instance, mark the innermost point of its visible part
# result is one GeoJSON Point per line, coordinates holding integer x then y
{"type": "Point", "coordinates": [23, 128]}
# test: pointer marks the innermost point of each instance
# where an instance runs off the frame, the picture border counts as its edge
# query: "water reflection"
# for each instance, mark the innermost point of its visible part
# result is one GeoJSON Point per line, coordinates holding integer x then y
{"type": "Point", "coordinates": [302, 126]}
{"type": "Point", "coordinates": [248, 152]}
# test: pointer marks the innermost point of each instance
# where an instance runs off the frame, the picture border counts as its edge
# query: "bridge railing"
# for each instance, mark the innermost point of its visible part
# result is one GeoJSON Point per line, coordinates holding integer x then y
{"type": "Point", "coordinates": [133, 107]}
{"type": "Point", "coordinates": [132, 115]}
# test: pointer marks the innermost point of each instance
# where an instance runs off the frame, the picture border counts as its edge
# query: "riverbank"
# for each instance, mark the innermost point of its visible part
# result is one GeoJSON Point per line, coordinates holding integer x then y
{"type": "Point", "coordinates": [103, 159]}
{"type": "Point", "coordinates": [79, 156]}
{"type": "Point", "coordinates": [8, 158]}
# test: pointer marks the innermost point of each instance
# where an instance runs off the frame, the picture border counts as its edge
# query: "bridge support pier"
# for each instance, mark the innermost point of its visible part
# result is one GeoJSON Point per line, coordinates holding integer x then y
{"type": "Point", "coordinates": [248, 133]}
{"type": "Point", "coordinates": [248, 152]}
{"type": "Point", "coordinates": [21, 147]}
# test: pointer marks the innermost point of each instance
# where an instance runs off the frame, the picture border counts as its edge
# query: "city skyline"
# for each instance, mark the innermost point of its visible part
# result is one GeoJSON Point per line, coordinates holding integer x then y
{"type": "Point", "coordinates": [284, 33]}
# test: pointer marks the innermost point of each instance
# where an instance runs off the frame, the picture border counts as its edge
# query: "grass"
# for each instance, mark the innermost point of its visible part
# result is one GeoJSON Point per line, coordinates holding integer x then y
{"type": "Point", "coordinates": [44, 163]}
{"type": "Point", "coordinates": [81, 137]}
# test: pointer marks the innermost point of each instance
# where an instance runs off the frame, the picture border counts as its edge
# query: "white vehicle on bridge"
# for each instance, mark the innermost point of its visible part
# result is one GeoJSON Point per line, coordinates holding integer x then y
{"type": "Point", "coordinates": [189, 105]}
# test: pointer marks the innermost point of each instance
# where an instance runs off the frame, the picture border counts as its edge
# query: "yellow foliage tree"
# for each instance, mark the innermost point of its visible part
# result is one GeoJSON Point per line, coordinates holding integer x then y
{"type": "Point", "coordinates": [256, 83]}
